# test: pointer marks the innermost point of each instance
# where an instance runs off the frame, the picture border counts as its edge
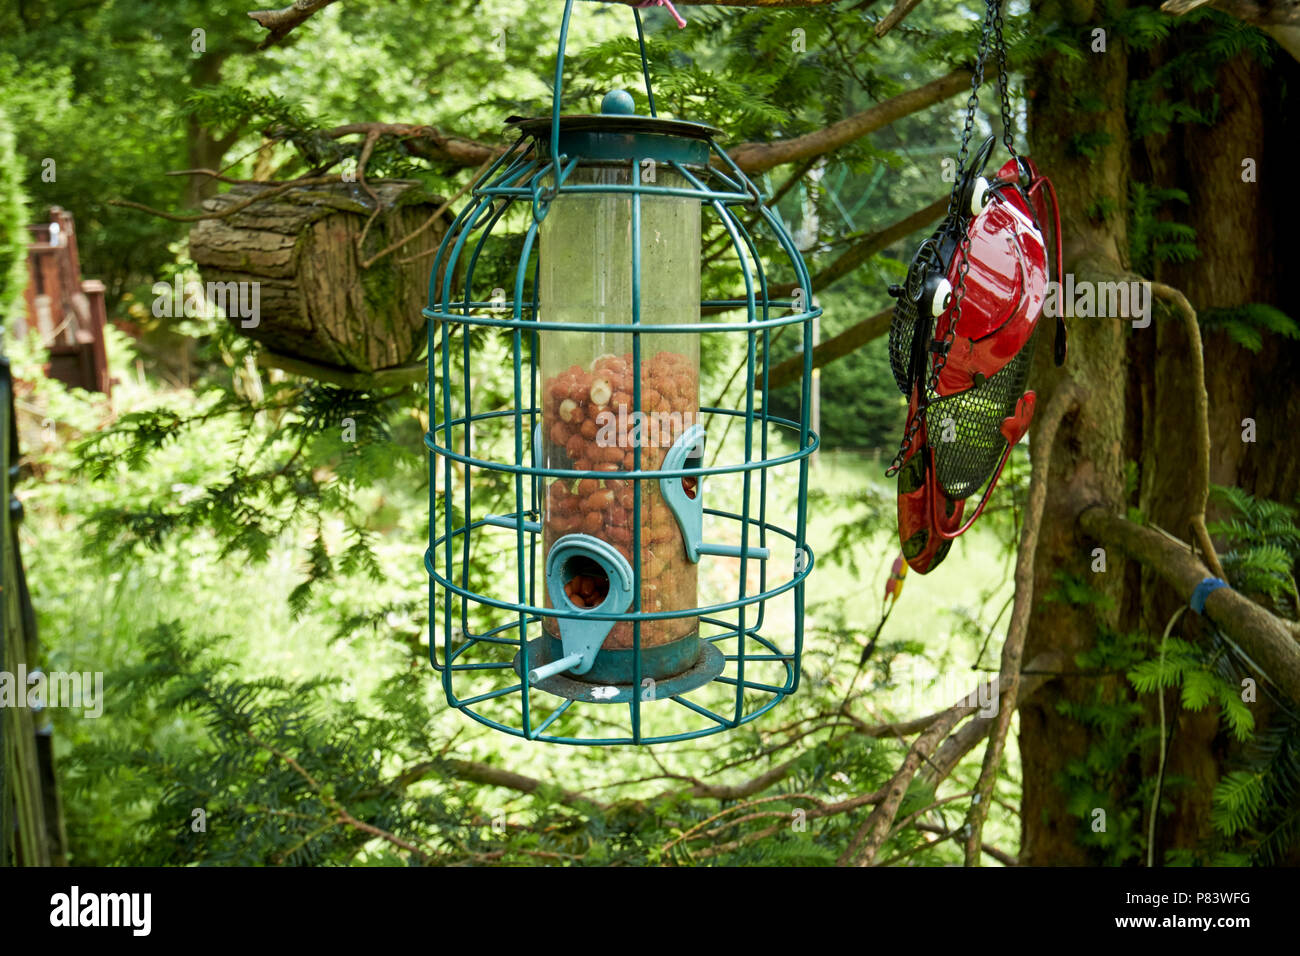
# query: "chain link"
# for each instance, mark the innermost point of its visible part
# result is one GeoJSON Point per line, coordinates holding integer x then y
{"type": "Point", "coordinates": [1000, 45]}
{"type": "Point", "coordinates": [990, 35]}
{"type": "Point", "coordinates": [973, 101]}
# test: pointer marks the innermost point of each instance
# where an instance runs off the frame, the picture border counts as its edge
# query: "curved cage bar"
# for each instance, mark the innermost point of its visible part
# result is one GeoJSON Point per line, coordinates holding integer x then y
{"type": "Point", "coordinates": [598, 536]}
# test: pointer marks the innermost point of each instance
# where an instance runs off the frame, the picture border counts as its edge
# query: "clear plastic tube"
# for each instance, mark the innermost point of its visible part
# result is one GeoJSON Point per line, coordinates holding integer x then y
{"type": "Point", "coordinates": [589, 418]}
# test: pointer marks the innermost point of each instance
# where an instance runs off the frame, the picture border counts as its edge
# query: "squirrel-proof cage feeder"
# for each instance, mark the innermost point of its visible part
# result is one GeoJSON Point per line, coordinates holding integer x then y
{"type": "Point", "coordinates": [602, 458]}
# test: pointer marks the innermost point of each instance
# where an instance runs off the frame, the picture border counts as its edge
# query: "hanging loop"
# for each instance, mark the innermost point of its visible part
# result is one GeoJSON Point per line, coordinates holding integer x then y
{"type": "Point", "coordinates": [645, 62]}
{"type": "Point", "coordinates": [557, 89]}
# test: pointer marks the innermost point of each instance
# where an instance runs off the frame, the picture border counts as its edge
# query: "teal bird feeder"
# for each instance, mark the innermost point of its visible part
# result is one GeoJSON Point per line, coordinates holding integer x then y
{"type": "Point", "coordinates": [605, 554]}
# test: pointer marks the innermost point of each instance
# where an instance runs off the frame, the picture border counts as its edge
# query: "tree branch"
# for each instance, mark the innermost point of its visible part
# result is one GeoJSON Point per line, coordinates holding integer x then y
{"type": "Point", "coordinates": [940, 762]}
{"type": "Point", "coordinates": [233, 208]}
{"type": "Point", "coordinates": [866, 247]}
{"type": "Point", "coordinates": [760, 157]}
{"type": "Point", "coordinates": [426, 142]}
{"type": "Point", "coordinates": [816, 812]}
{"type": "Point", "coordinates": [858, 335]}
{"type": "Point", "coordinates": [1006, 859]}
{"type": "Point", "coordinates": [967, 737]}
{"type": "Point", "coordinates": [1281, 21]}
{"type": "Point", "coordinates": [1253, 12]}
{"type": "Point", "coordinates": [895, 16]}
{"type": "Point", "coordinates": [284, 21]}
{"type": "Point", "coordinates": [475, 772]}
{"type": "Point", "coordinates": [1063, 402]}
{"type": "Point", "coordinates": [1200, 479]}
{"type": "Point", "coordinates": [341, 814]}
{"type": "Point", "coordinates": [752, 158]}
{"type": "Point", "coordinates": [433, 217]}
{"type": "Point", "coordinates": [866, 843]}
{"type": "Point", "coordinates": [851, 339]}
{"type": "Point", "coordinates": [499, 777]}
{"type": "Point", "coordinates": [863, 249]}
{"type": "Point", "coordinates": [1267, 639]}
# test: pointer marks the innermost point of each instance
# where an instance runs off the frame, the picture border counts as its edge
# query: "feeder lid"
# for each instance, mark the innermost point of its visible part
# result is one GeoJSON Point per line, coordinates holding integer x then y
{"type": "Point", "coordinates": [616, 133]}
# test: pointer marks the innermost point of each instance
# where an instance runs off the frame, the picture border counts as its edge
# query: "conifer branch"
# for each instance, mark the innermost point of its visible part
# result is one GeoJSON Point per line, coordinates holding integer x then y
{"type": "Point", "coordinates": [341, 814]}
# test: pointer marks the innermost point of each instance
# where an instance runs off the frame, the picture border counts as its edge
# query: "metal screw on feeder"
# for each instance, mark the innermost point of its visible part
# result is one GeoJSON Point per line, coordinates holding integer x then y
{"type": "Point", "coordinates": [607, 471]}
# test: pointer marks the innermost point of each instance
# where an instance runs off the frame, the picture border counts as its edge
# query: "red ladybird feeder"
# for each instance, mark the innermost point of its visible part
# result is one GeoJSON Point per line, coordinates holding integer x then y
{"type": "Point", "coordinates": [962, 336]}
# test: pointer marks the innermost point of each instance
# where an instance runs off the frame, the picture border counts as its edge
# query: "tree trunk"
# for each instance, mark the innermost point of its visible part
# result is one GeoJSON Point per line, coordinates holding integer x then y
{"type": "Point", "coordinates": [1138, 406]}
{"type": "Point", "coordinates": [1087, 464]}
{"type": "Point", "coordinates": [205, 148]}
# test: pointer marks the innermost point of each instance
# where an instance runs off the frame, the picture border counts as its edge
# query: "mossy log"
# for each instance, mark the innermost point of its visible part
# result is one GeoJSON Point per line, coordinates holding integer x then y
{"type": "Point", "coordinates": [317, 303]}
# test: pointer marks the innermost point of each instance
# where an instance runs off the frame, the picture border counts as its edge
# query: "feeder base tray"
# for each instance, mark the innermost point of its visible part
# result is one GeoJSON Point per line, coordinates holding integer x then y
{"type": "Point", "coordinates": [707, 666]}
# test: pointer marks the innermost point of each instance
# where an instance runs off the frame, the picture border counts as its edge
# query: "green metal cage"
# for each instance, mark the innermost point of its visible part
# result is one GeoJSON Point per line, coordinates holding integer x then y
{"type": "Point", "coordinates": [597, 461]}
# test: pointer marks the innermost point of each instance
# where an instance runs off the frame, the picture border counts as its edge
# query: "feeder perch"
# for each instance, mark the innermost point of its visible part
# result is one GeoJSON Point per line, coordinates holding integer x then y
{"type": "Point", "coordinates": [613, 509]}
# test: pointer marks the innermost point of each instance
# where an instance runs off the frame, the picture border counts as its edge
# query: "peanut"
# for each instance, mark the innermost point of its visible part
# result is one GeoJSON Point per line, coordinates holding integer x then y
{"type": "Point", "coordinates": [599, 500]}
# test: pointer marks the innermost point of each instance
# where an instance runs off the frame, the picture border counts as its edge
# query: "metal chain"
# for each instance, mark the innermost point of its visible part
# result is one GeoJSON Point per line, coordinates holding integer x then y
{"type": "Point", "coordinates": [972, 103]}
{"type": "Point", "coordinates": [991, 31]}
{"type": "Point", "coordinates": [938, 360]}
{"type": "Point", "coordinates": [1000, 45]}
